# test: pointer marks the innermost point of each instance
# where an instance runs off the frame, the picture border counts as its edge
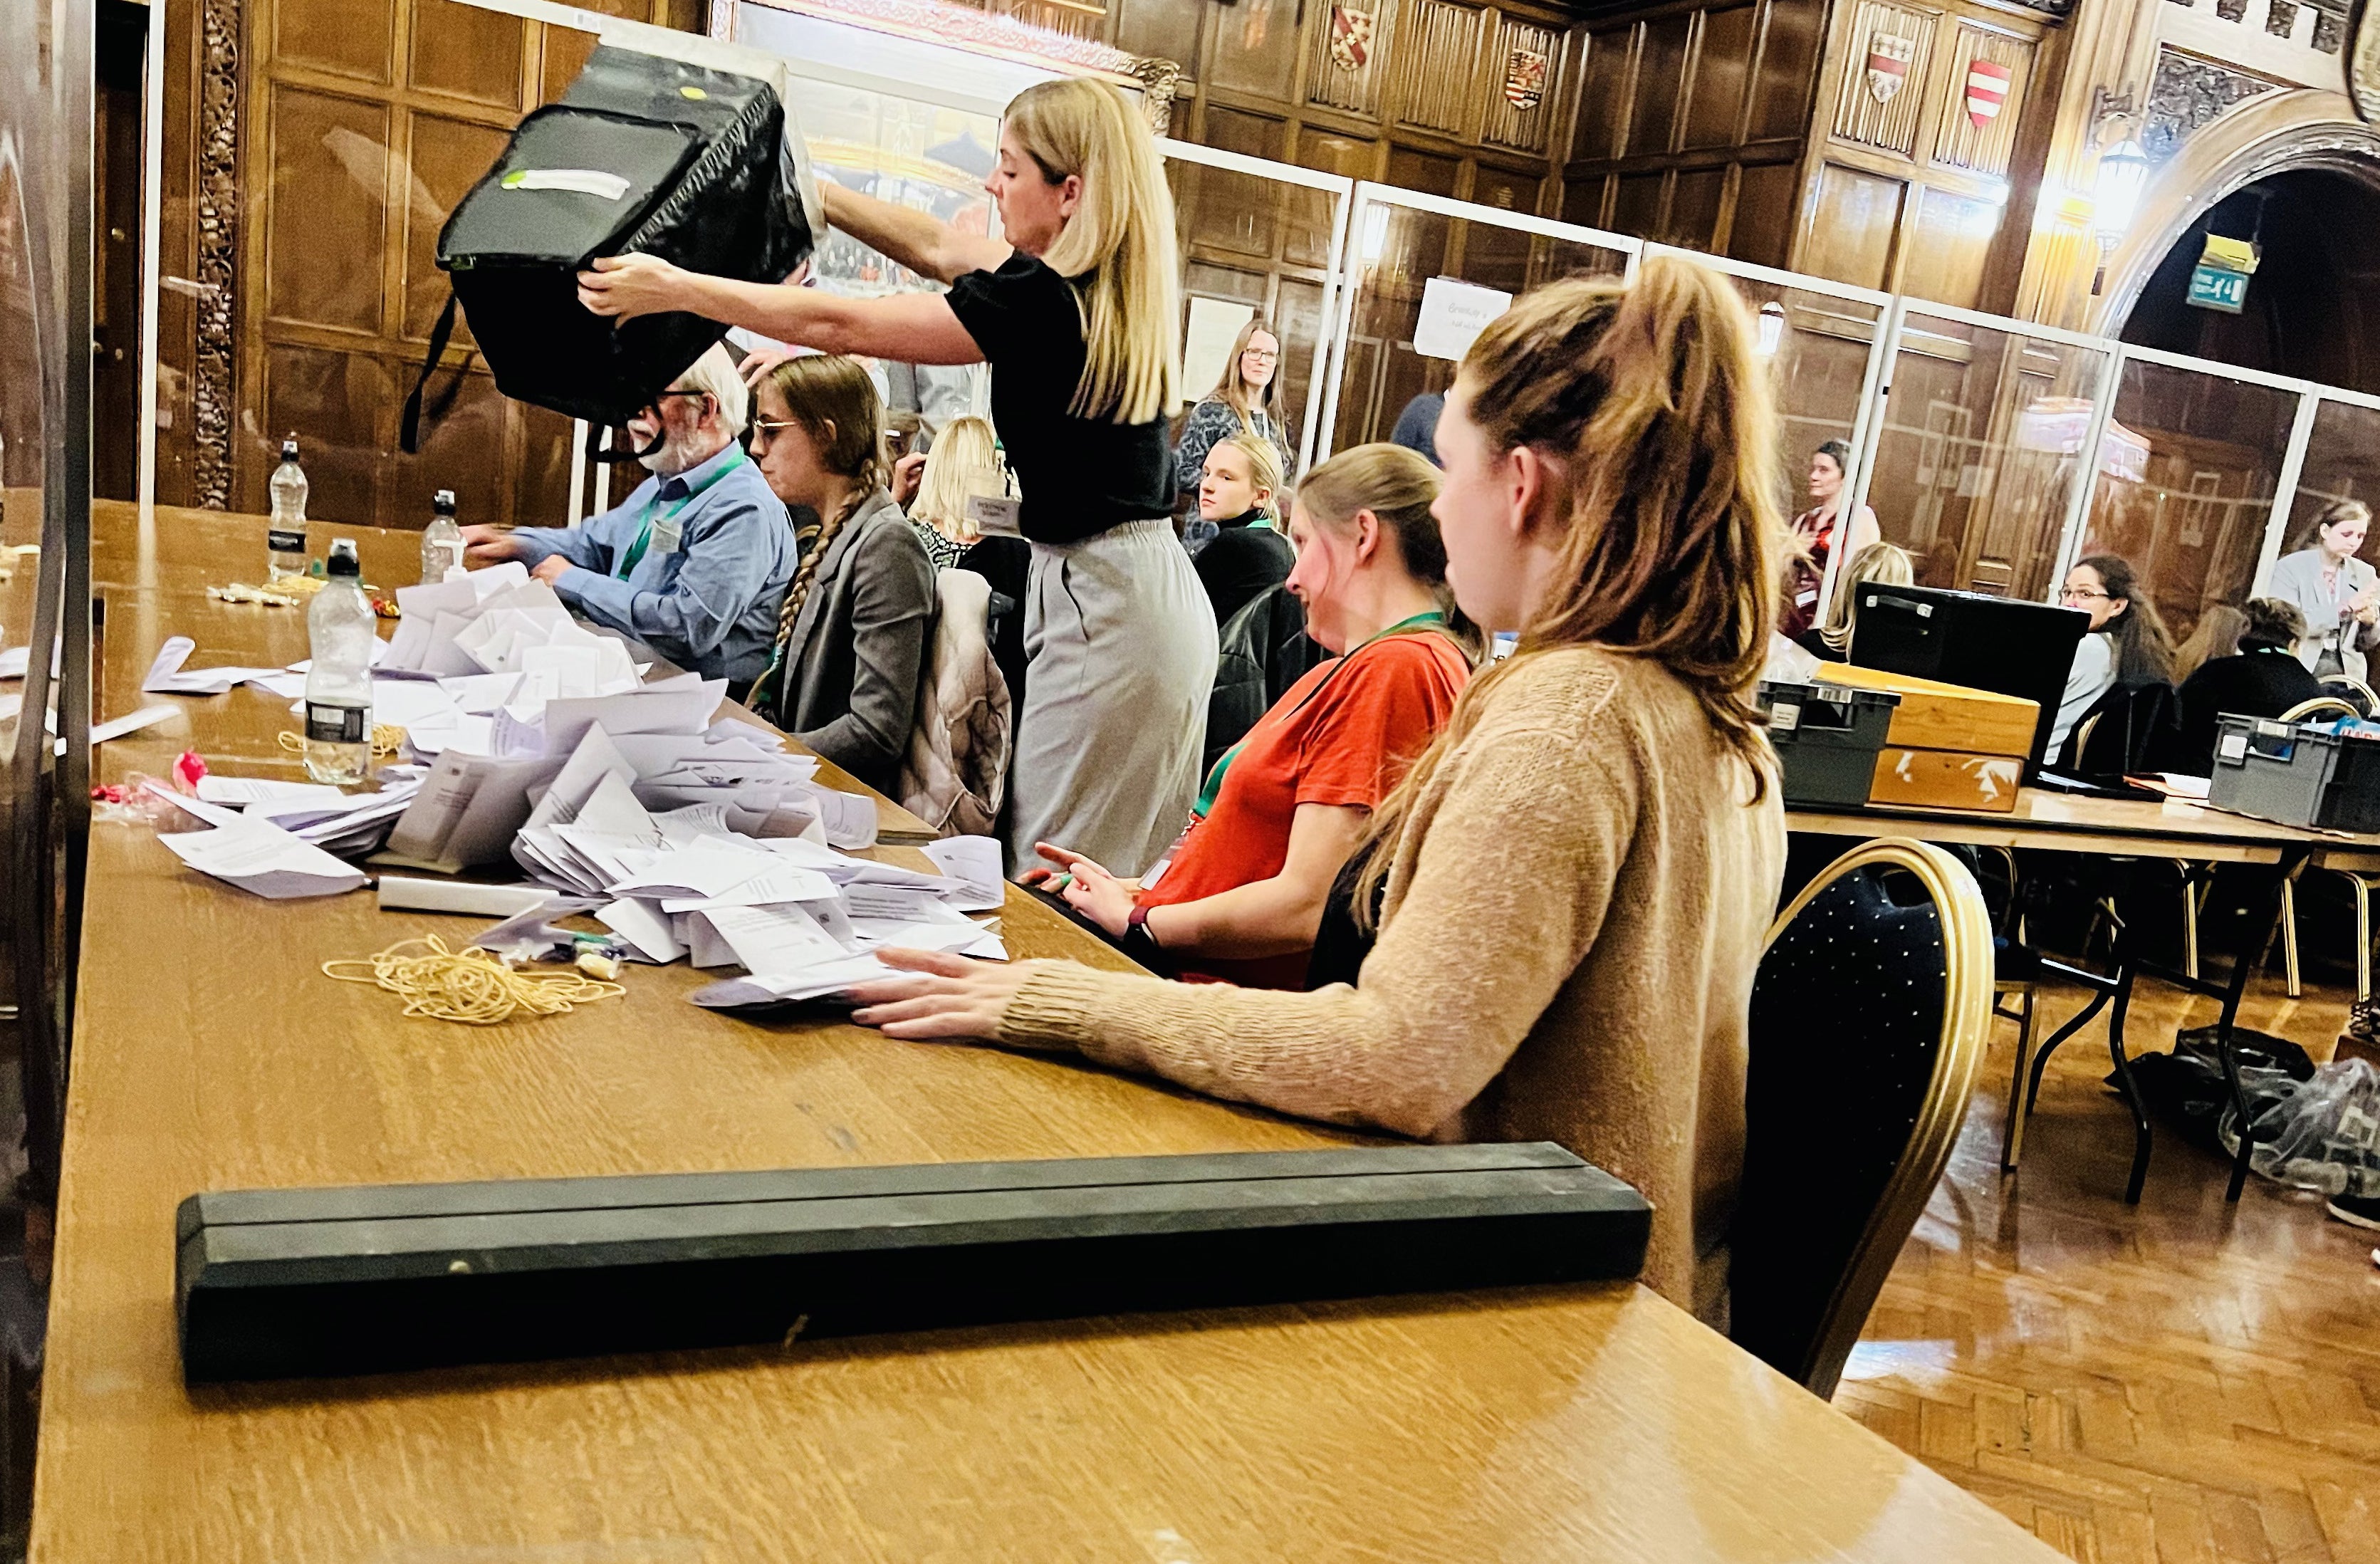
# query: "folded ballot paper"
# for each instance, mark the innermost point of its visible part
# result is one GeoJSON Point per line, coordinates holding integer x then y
{"type": "Point", "coordinates": [254, 854]}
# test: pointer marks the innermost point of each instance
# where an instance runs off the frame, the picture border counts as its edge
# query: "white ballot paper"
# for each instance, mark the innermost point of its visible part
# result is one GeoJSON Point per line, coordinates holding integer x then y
{"type": "Point", "coordinates": [165, 675]}
{"type": "Point", "coordinates": [974, 861]}
{"type": "Point", "coordinates": [263, 858]}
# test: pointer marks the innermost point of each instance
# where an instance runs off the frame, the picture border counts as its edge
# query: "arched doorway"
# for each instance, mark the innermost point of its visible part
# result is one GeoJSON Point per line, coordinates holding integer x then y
{"type": "Point", "coordinates": [2312, 309]}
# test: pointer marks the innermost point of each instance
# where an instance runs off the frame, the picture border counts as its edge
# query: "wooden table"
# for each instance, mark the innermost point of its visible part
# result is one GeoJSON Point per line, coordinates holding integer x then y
{"type": "Point", "coordinates": [2059, 822]}
{"type": "Point", "coordinates": [1561, 1423]}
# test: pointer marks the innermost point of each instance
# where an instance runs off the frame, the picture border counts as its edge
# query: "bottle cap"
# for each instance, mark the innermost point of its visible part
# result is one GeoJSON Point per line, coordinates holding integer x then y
{"type": "Point", "coordinates": [443, 501]}
{"type": "Point", "coordinates": [343, 559]}
{"type": "Point", "coordinates": [289, 447]}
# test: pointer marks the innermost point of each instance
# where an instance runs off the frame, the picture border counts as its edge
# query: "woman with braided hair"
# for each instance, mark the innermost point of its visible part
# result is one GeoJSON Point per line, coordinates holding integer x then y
{"type": "Point", "coordinates": [859, 612]}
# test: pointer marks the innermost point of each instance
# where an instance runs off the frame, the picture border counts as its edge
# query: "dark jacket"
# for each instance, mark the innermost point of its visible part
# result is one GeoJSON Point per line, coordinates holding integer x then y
{"type": "Point", "coordinates": [858, 648]}
{"type": "Point", "coordinates": [1007, 563]}
{"type": "Point", "coordinates": [2264, 680]}
{"type": "Point", "coordinates": [1265, 651]}
{"type": "Point", "coordinates": [1241, 560]}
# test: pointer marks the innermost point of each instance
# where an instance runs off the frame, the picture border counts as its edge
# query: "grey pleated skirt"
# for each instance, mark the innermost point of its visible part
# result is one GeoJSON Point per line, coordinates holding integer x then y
{"type": "Point", "coordinates": [1121, 643]}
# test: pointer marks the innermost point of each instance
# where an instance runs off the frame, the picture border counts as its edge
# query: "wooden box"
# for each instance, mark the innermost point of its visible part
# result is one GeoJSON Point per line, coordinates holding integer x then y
{"type": "Point", "coordinates": [1947, 779]}
{"type": "Point", "coordinates": [1938, 716]}
{"type": "Point", "coordinates": [281, 1283]}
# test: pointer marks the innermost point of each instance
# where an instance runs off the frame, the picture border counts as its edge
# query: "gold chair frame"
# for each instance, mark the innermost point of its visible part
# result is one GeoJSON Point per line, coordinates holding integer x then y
{"type": "Point", "coordinates": [1966, 1030]}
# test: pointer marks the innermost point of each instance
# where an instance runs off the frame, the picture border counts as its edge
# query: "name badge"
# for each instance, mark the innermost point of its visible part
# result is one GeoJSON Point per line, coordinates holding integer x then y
{"type": "Point", "coordinates": [995, 516]}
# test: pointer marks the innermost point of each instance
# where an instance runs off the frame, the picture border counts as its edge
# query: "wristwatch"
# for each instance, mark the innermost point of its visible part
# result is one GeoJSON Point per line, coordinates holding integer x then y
{"type": "Point", "coordinates": [1136, 932]}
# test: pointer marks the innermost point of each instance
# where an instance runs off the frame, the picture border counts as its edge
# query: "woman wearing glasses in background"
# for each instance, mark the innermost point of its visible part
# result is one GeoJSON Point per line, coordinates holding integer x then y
{"type": "Point", "coordinates": [1246, 400]}
{"type": "Point", "coordinates": [2126, 643]}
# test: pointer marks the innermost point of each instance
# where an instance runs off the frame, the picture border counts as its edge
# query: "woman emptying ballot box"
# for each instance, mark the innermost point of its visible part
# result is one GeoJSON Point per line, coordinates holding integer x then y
{"type": "Point", "coordinates": [1076, 310]}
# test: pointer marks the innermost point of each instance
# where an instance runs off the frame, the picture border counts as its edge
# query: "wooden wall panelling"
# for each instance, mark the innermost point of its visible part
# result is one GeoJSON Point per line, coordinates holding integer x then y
{"type": "Point", "coordinates": [1530, 128]}
{"type": "Point", "coordinates": [1678, 105]}
{"type": "Point", "coordinates": [1862, 115]}
{"type": "Point", "coordinates": [1938, 177]}
{"type": "Point", "coordinates": [1437, 69]}
{"type": "Point", "coordinates": [364, 121]}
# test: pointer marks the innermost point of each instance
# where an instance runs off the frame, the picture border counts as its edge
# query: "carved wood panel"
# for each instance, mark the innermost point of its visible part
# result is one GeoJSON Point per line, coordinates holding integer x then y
{"type": "Point", "coordinates": [1522, 48]}
{"type": "Point", "coordinates": [1437, 67]}
{"type": "Point", "coordinates": [1345, 46]}
{"type": "Point", "coordinates": [1976, 122]}
{"type": "Point", "coordinates": [1881, 86]}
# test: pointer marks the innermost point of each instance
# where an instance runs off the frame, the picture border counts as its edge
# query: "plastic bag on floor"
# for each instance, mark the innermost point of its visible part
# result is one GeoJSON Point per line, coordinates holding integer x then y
{"type": "Point", "coordinates": [2186, 1089]}
{"type": "Point", "coordinates": [2324, 1135]}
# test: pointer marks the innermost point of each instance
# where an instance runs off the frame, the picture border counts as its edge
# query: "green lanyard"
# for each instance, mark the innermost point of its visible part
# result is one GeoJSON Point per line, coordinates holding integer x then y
{"type": "Point", "coordinates": [1432, 620]}
{"type": "Point", "coordinates": [645, 526]}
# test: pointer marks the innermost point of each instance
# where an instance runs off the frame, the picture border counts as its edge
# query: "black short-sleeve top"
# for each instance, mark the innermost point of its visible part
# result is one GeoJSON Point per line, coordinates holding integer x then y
{"type": "Point", "coordinates": [1079, 476]}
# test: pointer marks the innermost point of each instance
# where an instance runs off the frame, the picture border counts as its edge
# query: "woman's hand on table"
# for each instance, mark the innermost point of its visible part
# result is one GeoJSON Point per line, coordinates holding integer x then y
{"type": "Point", "coordinates": [548, 569]}
{"type": "Point", "coordinates": [945, 997]}
{"type": "Point", "coordinates": [626, 287]}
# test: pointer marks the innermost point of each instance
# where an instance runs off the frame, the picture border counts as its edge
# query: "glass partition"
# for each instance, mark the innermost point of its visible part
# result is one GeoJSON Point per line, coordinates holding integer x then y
{"type": "Point", "coordinates": [1399, 241]}
{"type": "Point", "coordinates": [2187, 469]}
{"type": "Point", "coordinates": [1260, 241]}
{"type": "Point", "coordinates": [2342, 461]}
{"type": "Point", "coordinates": [1825, 342]}
{"type": "Point", "coordinates": [1979, 458]}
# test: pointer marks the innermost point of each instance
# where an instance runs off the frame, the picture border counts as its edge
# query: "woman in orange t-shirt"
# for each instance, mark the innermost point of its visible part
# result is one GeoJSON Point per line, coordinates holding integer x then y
{"type": "Point", "coordinates": [1241, 892]}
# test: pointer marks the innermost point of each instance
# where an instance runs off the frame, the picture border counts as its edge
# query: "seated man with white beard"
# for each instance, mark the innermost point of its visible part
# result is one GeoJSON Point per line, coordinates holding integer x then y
{"type": "Point", "coordinates": [695, 563]}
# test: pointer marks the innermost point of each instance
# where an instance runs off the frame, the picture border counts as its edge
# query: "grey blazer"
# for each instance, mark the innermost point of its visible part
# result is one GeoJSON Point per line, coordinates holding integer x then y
{"type": "Point", "coordinates": [858, 647]}
{"type": "Point", "coordinates": [2297, 578]}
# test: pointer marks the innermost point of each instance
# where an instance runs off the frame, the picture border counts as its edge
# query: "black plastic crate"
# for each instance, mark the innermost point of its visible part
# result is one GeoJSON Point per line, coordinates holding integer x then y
{"type": "Point", "coordinates": [1827, 738]}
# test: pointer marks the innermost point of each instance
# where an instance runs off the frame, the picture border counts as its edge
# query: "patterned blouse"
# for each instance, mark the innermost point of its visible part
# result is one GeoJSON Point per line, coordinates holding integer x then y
{"type": "Point", "coordinates": [1212, 420]}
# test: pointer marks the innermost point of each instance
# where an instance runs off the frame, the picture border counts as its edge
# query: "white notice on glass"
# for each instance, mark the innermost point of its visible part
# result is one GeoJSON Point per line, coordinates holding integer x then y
{"type": "Point", "coordinates": [1452, 313]}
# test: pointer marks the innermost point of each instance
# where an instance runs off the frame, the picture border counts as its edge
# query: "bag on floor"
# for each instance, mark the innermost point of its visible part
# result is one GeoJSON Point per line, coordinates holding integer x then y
{"type": "Point", "coordinates": [700, 166]}
{"type": "Point", "coordinates": [2323, 1136]}
{"type": "Point", "coordinates": [2186, 1089]}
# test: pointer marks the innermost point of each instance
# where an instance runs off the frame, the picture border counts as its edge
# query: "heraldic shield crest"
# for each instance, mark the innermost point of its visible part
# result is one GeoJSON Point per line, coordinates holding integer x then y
{"type": "Point", "coordinates": [1350, 37]}
{"type": "Point", "coordinates": [1524, 79]}
{"type": "Point", "coordinates": [1889, 55]}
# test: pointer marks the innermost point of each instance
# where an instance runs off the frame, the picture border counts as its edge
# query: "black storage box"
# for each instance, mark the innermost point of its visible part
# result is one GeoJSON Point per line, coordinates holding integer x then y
{"type": "Point", "coordinates": [2296, 774]}
{"type": "Point", "coordinates": [642, 153]}
{"type": "Point", "coordinates": [282, 1284]}
{"type": "Point", "coordinates": [1973, 639]}
{"type": "Point", "coordinates": [1827, 737]}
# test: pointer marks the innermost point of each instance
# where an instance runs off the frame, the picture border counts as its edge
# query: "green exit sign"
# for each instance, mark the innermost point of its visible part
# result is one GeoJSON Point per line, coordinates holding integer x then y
{"type": "Point", "coordinates": [2214, 287]}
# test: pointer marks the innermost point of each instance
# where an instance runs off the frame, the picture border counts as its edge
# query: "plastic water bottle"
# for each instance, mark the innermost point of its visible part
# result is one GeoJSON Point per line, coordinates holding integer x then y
{"type": "Point", "coordinates": [442, 540]}
{"type": "Point", "coordinates": [339, 628]}
{"type": "Point", "coordinates": [286, 540]}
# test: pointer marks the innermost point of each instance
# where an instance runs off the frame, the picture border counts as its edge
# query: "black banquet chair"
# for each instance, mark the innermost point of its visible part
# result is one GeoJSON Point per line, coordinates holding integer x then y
{"type": "Point", "coordinates": [1870, 1015]}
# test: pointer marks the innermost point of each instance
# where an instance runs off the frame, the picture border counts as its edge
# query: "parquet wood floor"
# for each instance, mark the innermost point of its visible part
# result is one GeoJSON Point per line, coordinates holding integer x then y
{"type": "Point", "coordinates": [2176, 1382]}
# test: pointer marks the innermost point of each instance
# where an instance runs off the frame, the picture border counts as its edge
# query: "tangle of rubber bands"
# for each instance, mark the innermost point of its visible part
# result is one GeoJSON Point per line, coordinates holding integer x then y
{"type": "Point", "coordinates": [470, 985]}
{"type": "Point", "coordinates": [387, 739]}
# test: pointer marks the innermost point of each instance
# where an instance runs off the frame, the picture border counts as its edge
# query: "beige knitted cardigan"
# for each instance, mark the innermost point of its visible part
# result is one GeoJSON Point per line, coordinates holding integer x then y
{"type": "Point", "coordinates": [1573, 914]}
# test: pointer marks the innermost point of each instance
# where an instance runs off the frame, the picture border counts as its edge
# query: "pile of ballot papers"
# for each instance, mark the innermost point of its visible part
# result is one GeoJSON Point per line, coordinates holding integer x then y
{"type": "Point", "coordinates": [534, 743]}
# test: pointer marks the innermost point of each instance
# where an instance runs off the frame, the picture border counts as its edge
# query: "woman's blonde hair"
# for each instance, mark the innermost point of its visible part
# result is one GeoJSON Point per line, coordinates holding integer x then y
{"type": "Point", "coordinates": [835, 402]}
{"type": "Point", "coordinates": [1264, 469]}
{"type": "Point", "coordinates": [1118, 249]}
{"type": "Point", "coordinates": [1231, 390]}
{"type": "Point", "coordinates": [1879, 564]}
{"type": "Point", "coordinates": [964, 464]}
{"type": "Point", "coordinates": [1657, 425]}
{"type": "Point", "coordinates": [1398, 486]}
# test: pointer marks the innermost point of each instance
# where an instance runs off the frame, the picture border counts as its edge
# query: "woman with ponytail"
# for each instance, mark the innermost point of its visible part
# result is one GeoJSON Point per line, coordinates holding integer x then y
{"type": "Point", "coordinates": [1078, 311]}
{"type": "Point", "coordinates": [1577, 876]}
{"type": "Point", "coordinates": [859, 614]}
{"type": "Point", "coordinates": [1239, 895]}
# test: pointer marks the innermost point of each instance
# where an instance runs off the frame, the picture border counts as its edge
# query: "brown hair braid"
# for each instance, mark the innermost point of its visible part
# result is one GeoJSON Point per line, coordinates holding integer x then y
{"type": "Point", "coordinates": [836, 405]}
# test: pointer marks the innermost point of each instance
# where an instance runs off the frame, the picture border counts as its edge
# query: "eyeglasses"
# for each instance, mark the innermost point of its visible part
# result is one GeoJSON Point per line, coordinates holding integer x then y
{"type": "Point", "coordinates": [1267, 354]}
{"type": "Point", "coordinates": [2085, 594]}
{"type": "Point", "coordinates": [762, 429]}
